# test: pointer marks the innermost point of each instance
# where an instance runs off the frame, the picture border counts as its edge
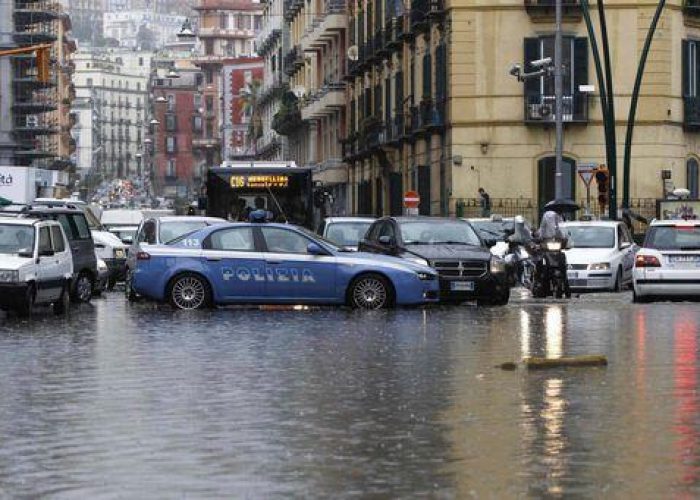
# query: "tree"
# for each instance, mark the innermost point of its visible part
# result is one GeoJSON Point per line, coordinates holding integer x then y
{"type": "Point", "coordinates": [251, 107]}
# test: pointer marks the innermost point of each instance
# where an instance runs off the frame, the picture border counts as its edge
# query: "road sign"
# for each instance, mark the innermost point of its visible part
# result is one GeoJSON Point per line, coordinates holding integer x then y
{"type": "Point", "coordinates": [586, 171]}
{"type": "Point", "coordinates": [411, 199]}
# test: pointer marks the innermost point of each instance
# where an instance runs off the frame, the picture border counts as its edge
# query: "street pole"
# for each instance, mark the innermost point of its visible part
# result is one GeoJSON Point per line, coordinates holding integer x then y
{"type": "Point", "coordinates": [558, 90]}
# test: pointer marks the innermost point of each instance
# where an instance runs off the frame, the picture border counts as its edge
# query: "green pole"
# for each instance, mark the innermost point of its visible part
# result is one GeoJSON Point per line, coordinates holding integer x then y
{"type": "Point", "coordinates": [611, 140]}
{"type": "Point", "coordinates": [604, 104]}
{"type": "Point", "coordinates": [633, 105]}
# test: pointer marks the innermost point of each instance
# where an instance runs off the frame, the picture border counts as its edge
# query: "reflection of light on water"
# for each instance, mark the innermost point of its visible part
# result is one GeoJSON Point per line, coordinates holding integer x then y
{"type": "Point", "coordinates": [641, 334]}
{"type": "Point", "coordinates": [524, 333]}
{"type": "Point", "coordinates": [552, 415]}
{"type": "Point", "coordinates": [554, 330]}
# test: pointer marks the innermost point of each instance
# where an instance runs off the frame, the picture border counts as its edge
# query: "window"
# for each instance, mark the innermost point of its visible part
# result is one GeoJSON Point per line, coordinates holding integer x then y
{"type": "Point", "coordinates": [284, 241]}
{"type": "Point", "coordinates": [248, 77]}
{"type": "Point", "coordinates": [171, 103]}
{"type": "Point", "coordinates": [239, 239]}
{"type": "Point", "coordinates": [197, 123]}
{"type": "Point", "coordinates": [387, 229]}
{"type": "Point", "coordinates": [197, 101]}
{"type": "Point", "coordinates": [170, 231]}
{"type": "Point", "coordinates": [44, 240]}
{"type": "Point", "coordinates": [140, 62]}
{"type": "Point", "coordinates": [68, 228]}
{"type": "Point", "coordinates": [171, 170]}
{"type": "Point", "coordinates": [59, 245]}
{"type": "Point", "coordinates": [138, 87]}
{"type": "Point", "coordinates": [170, 121]}
{"type": "Point", "coordinates": [209, 47]}
{"type": "Point", "coordinates": [148, 233]}
{"type": "Point", "coordinates": [171, 144]}
{"type": "Point", "coordinates": [692, 178]}
{"type": "Point", "coordinates": [81, 226]}
{"type": "Point", "coordinates": [89, 82]}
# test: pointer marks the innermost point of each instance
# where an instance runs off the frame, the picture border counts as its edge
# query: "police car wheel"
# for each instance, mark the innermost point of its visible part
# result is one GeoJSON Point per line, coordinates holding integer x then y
{"type": "Point", "coordinates": [370, 291]}
{"type": "Point", "coordinates": [188, 292]}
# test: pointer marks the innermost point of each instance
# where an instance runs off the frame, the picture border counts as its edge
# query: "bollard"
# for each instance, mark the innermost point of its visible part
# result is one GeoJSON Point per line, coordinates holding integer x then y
{"type": "Point", "coordinates": [573, 361]}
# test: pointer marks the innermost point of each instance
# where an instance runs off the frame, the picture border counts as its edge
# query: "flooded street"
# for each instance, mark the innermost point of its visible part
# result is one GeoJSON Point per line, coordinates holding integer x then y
{"type": "Point", "coordinates": [136, 401]}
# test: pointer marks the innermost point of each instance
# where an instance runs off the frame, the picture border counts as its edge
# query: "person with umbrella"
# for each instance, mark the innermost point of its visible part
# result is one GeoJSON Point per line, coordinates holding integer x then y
{"type": "Point", "coordinates": [554, 215]}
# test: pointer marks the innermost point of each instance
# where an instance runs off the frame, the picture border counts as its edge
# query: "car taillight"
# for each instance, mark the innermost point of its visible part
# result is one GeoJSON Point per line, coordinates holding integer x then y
{"type": "Point", "coordinates": [646, 261]}
{"type": "Point", "coordinates": [143, 256]}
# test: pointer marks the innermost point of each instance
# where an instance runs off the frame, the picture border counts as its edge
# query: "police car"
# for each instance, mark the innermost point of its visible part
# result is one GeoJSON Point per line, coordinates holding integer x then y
{"type": "Point", "coordinates": [275, 263]}
{"type": "Point", "coordinates": [668, 264]}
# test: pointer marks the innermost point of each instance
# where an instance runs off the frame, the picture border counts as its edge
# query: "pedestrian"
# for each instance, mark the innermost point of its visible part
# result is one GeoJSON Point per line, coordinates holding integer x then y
{"type": "Point", "coordinates": [260, 214]}
{"type": "Point", "coordinates": [485, 203]}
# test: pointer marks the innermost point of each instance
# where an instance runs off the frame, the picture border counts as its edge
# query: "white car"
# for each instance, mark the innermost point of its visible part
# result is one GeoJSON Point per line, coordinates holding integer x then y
{"type": "Point", "coordinates": [36, 265]}
{"type": "Point", "coordinates": [345, 231]}
{"type": "Point", "coordinates": [600, 255]}
{"type": "Point", "coordinates": [668, 264]}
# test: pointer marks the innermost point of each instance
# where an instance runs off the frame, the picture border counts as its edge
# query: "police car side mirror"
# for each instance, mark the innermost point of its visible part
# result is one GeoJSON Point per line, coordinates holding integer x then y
{"type": "Point", "coordinates": [314, 249]}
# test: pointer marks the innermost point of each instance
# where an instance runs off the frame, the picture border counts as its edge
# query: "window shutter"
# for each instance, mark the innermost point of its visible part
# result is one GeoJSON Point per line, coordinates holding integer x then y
{"type": "Point", "coordinates": [427, 73]}
{"type": "Point", "coordinates": [532, 53]}
{"type": "Point", "coordinates": [693, 90]}
{"type": "Point", "coordinates": [580, 63]}
{"type": "Point", "coordinates": [399, 92]}
{"type": "Point", "coordinates": [685, 51]}
{"type": "Point", "coordinates": [387, 102]}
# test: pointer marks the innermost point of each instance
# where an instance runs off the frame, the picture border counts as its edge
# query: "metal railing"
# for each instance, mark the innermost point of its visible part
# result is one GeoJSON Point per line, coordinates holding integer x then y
{"type": "Point", "coordinates": [541, 108]}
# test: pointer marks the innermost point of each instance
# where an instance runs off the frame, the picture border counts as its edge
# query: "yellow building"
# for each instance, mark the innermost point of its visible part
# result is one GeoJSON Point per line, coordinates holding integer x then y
{"type": "Point", "coordinates": [432, 106]}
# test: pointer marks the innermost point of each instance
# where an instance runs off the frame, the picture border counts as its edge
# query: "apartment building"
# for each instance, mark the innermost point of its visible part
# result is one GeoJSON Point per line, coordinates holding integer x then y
{"type": "Point", "coordinates": [127, 27]}
{"type": "Point", "coordinates": [226, 30]}
{"type": "Point", "coordinates": [312, 113]}
{"type": "Point", "coordinates": [112, 96]}
{"type": "Point", "coordinates": [432, 106]}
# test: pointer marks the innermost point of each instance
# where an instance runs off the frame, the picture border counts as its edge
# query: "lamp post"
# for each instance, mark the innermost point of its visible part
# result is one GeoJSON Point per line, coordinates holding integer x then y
{"type": "Point", "coordinates": [558, 91]}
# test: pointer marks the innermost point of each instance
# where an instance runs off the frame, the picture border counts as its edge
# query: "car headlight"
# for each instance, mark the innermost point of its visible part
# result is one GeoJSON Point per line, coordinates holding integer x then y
{"type": "Point", "coordinates": [497, 265]}
{"type": "Point", "coordinates": [418, 260]}
{"type": "Point", "coordinates": [426, 276]}
{"type": "Point", "coordinates": [9, 276]}
{"type": "Point", "coordinates": [599, 266]}
{"type": "Point", "coordinates": [553, 246]}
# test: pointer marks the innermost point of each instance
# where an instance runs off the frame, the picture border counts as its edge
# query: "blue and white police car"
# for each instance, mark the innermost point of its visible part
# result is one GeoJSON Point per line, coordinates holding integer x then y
{"type": "Point", "coordinates": [247, 263]}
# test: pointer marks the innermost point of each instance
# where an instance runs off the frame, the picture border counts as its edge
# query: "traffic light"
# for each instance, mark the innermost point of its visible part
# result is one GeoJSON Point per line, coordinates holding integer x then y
{"type": "Point", "coordinates": [42, 64]}
{"type": "Point", "coordinates": [602, 178]}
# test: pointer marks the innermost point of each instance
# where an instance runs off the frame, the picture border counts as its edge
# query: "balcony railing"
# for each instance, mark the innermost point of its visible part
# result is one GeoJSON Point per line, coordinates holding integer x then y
{"type": "Point", "coordinates": [691, 8]}
{"type": "Point", "coordinates": [419, 14]}
{"type": "Point", "coordinates": [546, 8]}
{"type": "Point", "coordinates": [691, 112]}
{"type": "Point", "coordinates": [293, 60]}
{"type": "Point", "coordinates": [541, 108]}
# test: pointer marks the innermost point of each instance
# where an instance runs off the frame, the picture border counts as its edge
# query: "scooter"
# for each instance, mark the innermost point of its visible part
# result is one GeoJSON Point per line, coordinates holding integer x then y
{"type": "Point", "coordinates": [549, 278]}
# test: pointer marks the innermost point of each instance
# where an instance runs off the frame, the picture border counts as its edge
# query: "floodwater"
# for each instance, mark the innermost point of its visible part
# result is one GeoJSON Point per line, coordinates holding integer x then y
{"type": "Point", "coordinates": [138, 401]}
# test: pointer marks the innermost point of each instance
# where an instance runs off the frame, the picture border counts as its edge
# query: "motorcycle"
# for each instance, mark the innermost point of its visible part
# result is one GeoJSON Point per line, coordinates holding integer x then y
{"type": "Point", "coordinates": [549, 277]}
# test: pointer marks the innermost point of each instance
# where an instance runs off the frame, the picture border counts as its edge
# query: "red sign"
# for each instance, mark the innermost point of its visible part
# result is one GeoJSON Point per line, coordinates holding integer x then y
{"type": "Point", "coordinates": [411, 199]}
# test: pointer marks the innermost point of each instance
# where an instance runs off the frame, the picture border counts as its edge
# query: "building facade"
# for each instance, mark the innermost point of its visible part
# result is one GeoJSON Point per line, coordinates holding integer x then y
{"type": "Point", "coordinates": [111, 110]}
{"type": "Point", "coordinates": [141, 28]}
{"type": "Point", "coordinates": [86, 17]}
{"type": "Point", "coordinates": [242, 83]}
{"type": "Point", "coordinates": [226, 31]}
{"type": "Point", "coordinates": [432, 107]}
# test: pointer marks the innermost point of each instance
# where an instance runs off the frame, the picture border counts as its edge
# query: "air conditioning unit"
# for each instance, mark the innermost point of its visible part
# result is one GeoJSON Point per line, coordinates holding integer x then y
{"type": "Point", "coordinates": [539, 111]}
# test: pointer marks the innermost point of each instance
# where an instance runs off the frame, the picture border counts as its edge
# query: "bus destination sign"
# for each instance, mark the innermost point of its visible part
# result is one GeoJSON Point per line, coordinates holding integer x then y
{"type": "Point", "coordinates": [259, 181]}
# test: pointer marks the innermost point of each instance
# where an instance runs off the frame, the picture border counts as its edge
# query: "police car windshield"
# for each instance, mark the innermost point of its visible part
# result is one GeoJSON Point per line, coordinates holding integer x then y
{"type": "Point", "coordinates": [673, 238]}
{"type": "Point", "coordinates": [346, 234]}
{"type": "Point", "coordinates": [438, 232]}
{"type": "Point", "coordinates": [16, 239]}
{"type": "Point", "coordinates": [173, 230]}
{"type": "Point", "coordinates": [591, 237]}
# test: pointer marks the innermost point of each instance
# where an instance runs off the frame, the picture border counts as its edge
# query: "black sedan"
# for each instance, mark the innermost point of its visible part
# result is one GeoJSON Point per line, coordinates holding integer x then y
{"type": "Point", "coordinates": [452, 247]}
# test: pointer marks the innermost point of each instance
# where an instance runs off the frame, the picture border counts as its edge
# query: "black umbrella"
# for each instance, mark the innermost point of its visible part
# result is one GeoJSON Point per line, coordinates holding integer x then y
{"type": "Point", "coordinates": [562, 205]}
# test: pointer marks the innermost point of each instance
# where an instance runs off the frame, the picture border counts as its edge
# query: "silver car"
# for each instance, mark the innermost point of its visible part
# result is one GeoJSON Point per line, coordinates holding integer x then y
{"type": "Point", "coordinates": [160, 231]}
{"type": "Point", "coordinates": [345, 231]}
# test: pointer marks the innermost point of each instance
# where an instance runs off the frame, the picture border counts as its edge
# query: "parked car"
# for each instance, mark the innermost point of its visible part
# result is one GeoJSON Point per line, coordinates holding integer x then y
{"type": "Point", "coordinates": [452, 247]}
{"type": "Point", "coordinates": [159, 231]}
{"type": "Point", "coordinates": [121, 217]}
{"type": "Point", "coordinates": [495, 229]}
{"type": "Point", "coordinates": [600, 255]}
{"type": "Point", "coordinates": [36, 266]}
{"type": "Point", "coordinates": [108, 247]}
{"type": "Point", "coordinates": [275, 264]}
{"type": "Point", "coordinates": [345, 231]}
{"type": "Point", "coordinates": [125, 234]}
{"type": "Point", "coordinates": [668, 264]}
{"type": "Point", "coordinates": [82, 246]}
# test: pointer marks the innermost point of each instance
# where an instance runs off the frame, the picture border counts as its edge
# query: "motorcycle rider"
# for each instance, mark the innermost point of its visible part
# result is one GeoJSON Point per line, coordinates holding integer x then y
{"type": "Point", "coordinates": [552, 268]}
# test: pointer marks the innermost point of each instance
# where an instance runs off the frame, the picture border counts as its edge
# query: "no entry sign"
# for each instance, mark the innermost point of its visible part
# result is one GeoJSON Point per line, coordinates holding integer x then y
{"type": "Point", "coordinates": [411, 199]}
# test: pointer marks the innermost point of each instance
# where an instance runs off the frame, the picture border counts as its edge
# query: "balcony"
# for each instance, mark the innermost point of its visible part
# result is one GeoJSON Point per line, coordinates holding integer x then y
{"type": "Point", "coordinates": [205, 142]}
{"type": "Point", "coordinates": [541, 108]}
{"type": "Point", "coordinates": [269, 34]}
{"type": "Point", "coordinates": [287, 120]}
{"type": "Point", "coordinates": [691, 112]}
{"type": "Point", "coordinates": [544, 10]}
{"type": "Point", "coordinates": [329, 100]}
{"type": "Point", "coordinates": [395, 33]}
{"type": "Point", "coordinates": [225, 33]}
{"type": "Point", "coordinates": [326, 27]}
{"type": "Point", "coordinates": [293, 60]}
{"type": "Point", "coordinates": [420, 10]}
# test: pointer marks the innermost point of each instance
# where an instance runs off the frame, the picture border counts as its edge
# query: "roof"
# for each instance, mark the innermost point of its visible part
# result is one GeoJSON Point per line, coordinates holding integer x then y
{"type": "Point", "coordinates": [600, 223]}
{"type": "Point", "coordinates": [19, 222]}
{"type": "Point", "coordinates": [189, 218]}
{"type": "Point", "coordinates": [423, 218]}
{"type": "Point", "coordinates": [335, 220]}
{"type": "Point", "coordinates": [675, 222]}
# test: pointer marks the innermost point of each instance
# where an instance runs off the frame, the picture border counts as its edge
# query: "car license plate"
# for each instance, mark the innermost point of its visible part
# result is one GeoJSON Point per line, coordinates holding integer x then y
{"type": "Point", "coordinates": [685, 259]}
{"type": "Point", "coordinates": [462, 286]}
{"type": "Point", "coordinates": [572, 275]}
{"type": "Point", "coordinates": [119, 254]}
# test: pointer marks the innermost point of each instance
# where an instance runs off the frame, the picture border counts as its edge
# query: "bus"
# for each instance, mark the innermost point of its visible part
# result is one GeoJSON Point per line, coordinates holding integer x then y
{"type": "Point", "coordinates": [234, 189]}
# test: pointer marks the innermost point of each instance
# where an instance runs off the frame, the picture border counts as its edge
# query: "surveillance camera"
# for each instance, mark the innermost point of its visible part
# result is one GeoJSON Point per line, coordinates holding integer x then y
{"type": "Point", "coordinates": [542, 63]}
{"type": "Point", "coordinates": [515, 70]}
